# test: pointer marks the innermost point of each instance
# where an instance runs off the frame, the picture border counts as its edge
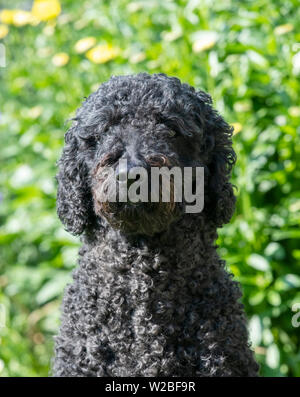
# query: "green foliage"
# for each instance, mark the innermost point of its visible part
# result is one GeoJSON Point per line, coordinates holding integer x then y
{"type": "Point", "coordinates": [248, 65]}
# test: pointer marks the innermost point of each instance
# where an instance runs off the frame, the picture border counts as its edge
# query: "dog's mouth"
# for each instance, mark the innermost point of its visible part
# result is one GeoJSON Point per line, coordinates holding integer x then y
{"type": "Point", "coordinates": [137, 213]}
{"type": "Point", "coordinates": [140, 222]}
{"type": "Point", "coordinates": [137, 217]}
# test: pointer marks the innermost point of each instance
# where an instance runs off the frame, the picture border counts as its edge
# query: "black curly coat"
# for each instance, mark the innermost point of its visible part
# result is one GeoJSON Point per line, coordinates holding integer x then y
{"type": "Point", "coordinates": [151, 297]}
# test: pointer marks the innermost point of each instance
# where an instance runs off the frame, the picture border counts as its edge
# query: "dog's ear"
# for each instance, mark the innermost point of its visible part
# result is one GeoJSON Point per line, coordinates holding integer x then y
{"type": "Point", "coordinates": [73, 196]}
{"type": "Point", "coordinates": [219, 195]}
{"type": "Point", "coordinates": [221, 198]}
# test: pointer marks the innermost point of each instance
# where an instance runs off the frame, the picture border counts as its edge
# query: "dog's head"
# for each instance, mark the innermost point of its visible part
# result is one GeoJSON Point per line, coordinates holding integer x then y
{"type": "Point", "coordinates": [142, 121]}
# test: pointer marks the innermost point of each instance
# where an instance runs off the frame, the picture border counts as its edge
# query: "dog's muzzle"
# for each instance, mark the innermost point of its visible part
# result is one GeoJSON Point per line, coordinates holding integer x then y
{"type": "Point", "coordinates": [112, 189]}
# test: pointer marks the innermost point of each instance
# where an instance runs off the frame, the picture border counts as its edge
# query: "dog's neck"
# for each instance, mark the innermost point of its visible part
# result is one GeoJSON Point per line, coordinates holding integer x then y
{"type": "Point", "coordinates": [192, 234]}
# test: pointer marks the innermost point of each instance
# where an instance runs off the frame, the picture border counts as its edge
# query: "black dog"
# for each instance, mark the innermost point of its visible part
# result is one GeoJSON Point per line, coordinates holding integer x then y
{"type": "Point", "coordinates": [151, 297]}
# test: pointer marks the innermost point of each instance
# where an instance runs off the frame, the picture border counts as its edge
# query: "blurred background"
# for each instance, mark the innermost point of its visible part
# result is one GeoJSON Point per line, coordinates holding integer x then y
{"type": "Point", "coordinates": [245, 54]}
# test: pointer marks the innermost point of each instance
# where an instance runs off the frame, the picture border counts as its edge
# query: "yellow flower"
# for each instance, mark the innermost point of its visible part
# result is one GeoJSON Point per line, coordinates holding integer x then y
{"type": "Point", "coordinates": [6, 16]}
{"type": "Point", "coordinates": [46, 9]}
{"type": "Point", "coordinates": [3, 31]}
{"type": "Point", "coordinates": [16, 17]}
{"type": "Point", "coordinates": [84, 44]}
{"type": "Point", "coordinates": [102, 53]}
{"type": "Point", "coordinates": [282, 29]}
{"type": "Point", "coordinates": [21, 18]}
{"type": "Point", "coordinates": [60, 59]}
{"type": "Point", "coordinates": [237, 127]}
{"type": "Point", "coordinates": [204, 41]}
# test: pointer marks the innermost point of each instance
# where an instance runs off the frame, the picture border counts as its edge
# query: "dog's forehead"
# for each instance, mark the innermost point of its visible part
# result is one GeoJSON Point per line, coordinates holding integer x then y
{"type": "Point", "coordinates": [136, 141]}
{"type": "Point", "coordinates": [129, 134]}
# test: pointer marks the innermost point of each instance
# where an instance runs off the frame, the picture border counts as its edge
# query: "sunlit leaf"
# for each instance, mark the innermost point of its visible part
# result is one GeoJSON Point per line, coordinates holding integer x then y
{"type": "Point", "coordinates": [273, 356]}
{"type": "Point", "coordinates": [84, 44]}
{"type": "Point", "coordinates": [255, 330]}
{"type": "Point", "coordinates": [296, 63]}
{"type": "Point", "coordinates": [60, 59]}
{"type": "Point", "coordinates": [138, 57]}
{"type": "Point", "coordinates": [282, 29]}
{"type": "Point", "coordinates": [204, 40]}
{"type": "Point", "coordinates": [258, 262]}
{"type": "Point", "coordinates": [52, 288]}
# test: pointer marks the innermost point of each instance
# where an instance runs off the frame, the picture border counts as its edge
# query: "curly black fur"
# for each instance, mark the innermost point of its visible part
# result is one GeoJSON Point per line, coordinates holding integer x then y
{"type": "Point", "coordinates": [149, 298]}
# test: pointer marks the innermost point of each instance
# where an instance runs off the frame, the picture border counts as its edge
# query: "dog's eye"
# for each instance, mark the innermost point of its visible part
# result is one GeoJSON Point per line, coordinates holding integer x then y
{"type": "Point", "coordinates": [89, 140]}
{"type": "Point", "coordinates": [172, 133]}
{"type": "Point", "coordinates": [111, 158]}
